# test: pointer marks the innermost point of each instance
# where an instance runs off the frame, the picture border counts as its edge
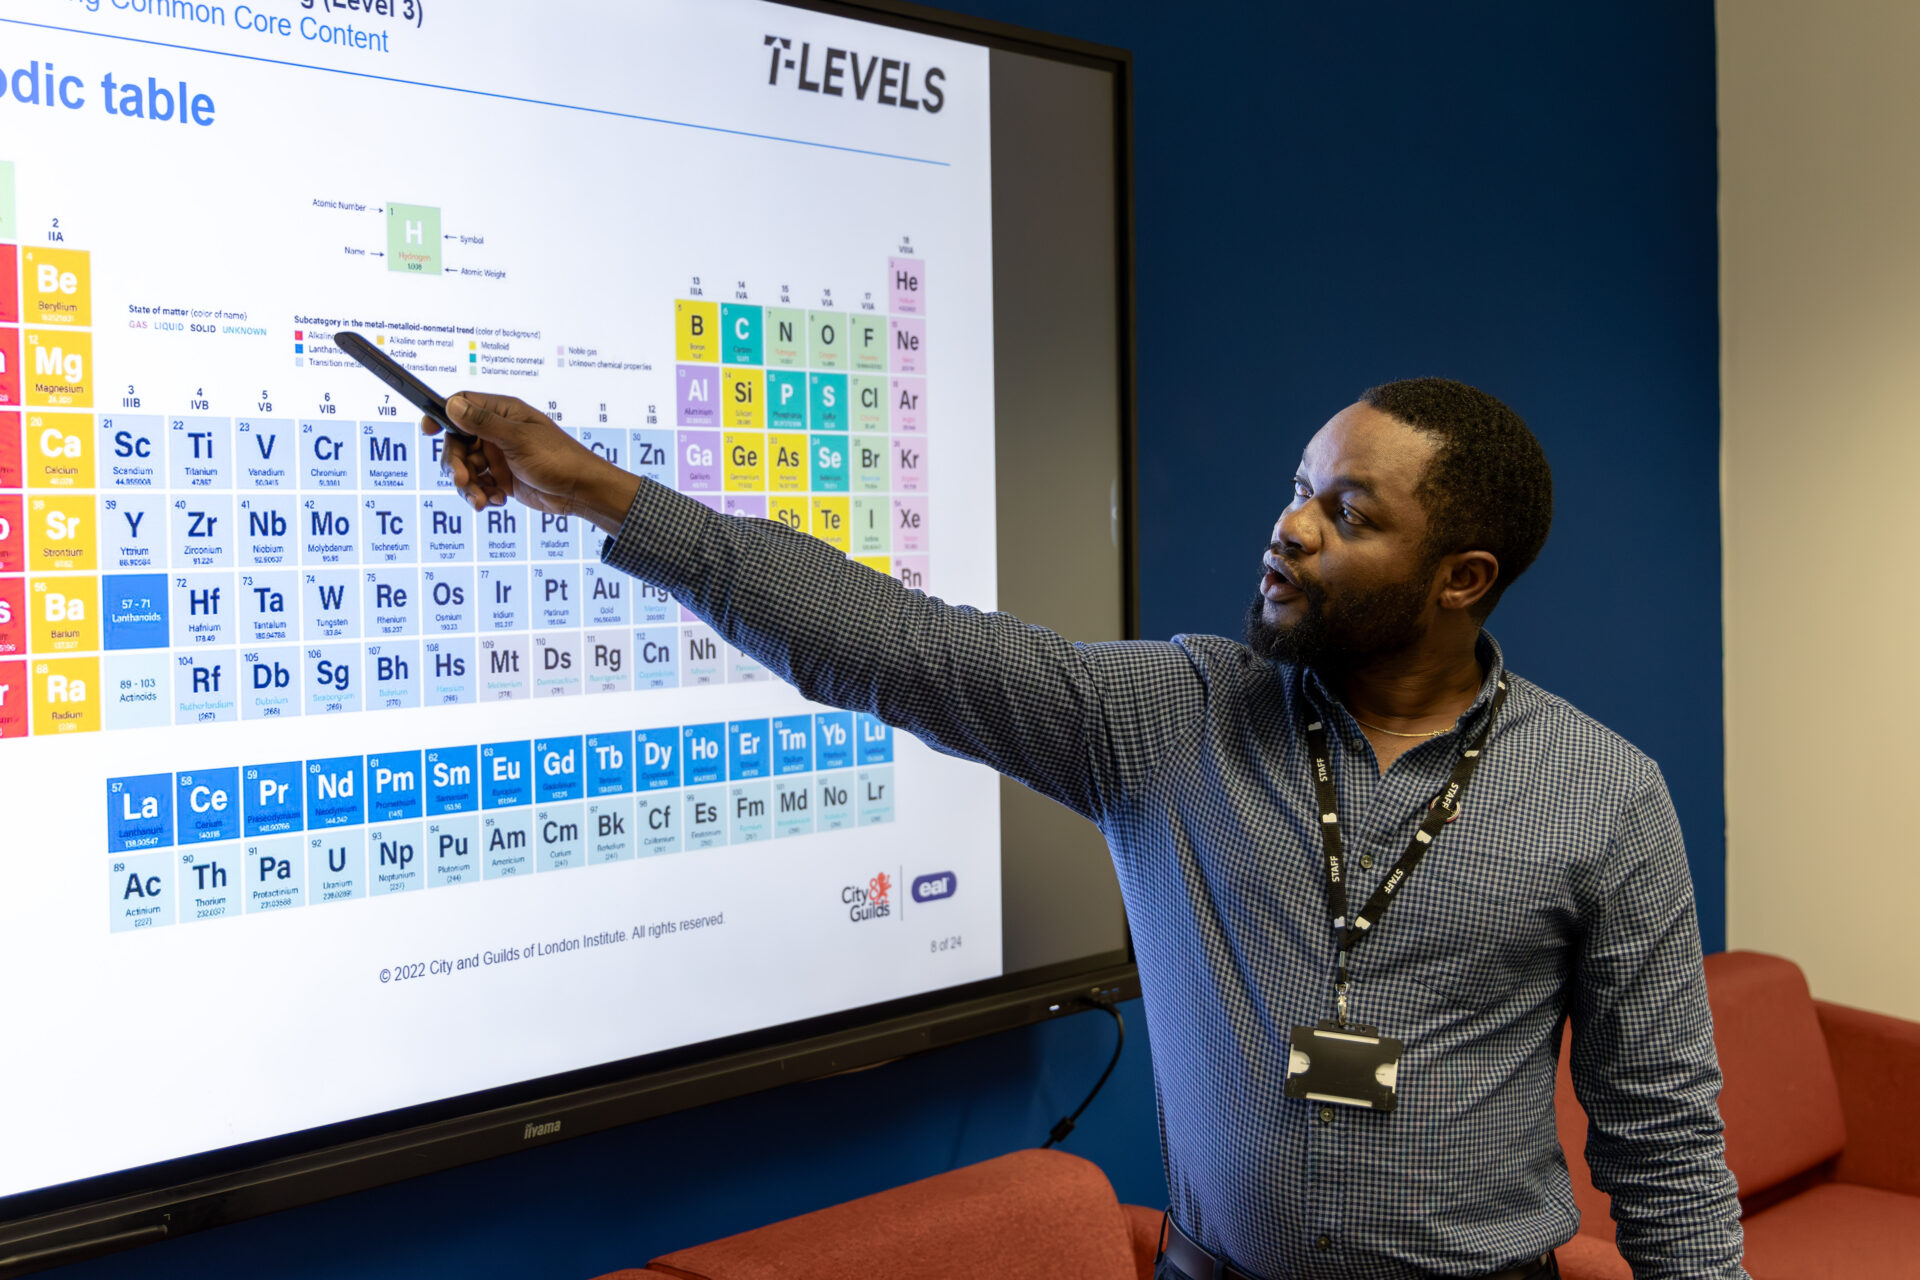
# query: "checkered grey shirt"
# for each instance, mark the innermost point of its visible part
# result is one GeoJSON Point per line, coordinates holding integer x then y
{"type": "Point", "coordinates": [1562, 890]}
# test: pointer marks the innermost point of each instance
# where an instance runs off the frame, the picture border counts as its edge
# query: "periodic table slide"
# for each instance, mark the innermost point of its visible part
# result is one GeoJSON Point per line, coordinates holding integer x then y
{"type": "Point", "coordinates": [228, 560]}
{"type": "Point", "coordinates": [208, 515]}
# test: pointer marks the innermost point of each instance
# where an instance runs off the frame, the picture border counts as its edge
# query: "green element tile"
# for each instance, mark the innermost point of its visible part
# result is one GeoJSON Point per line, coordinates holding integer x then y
{"type": "Point", "coordinates": [827, 339]}
{"type": "Point", "coordinates": [867, 342]}
{"type": "Point", "coordinates": [869, 459]}
{"type": "Point", "coordinates": [786, 338]}
{"type": "Point", "coordinates": [9, 220]}
{"type": "Point", "coordinates": [868, 405]}
{"type": "Point", "coordinates": [872, 526]}
{"type": "Point", "coordinates": [413, 239]}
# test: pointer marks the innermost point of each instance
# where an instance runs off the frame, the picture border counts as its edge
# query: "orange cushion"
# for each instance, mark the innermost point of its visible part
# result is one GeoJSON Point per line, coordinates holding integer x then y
{"type": "Point", "coordinates": [1588, 1257]}
{"type": "Point", "coordinates": [1836, 1231]}
{"type": "Point", "coordinates": [1876, 1060]}
{"type": "Point", "coordinates": [1595, 1209]}
{"type": "Point", "coordinates": [1031, 1213]}
{"type": "Point", "coordinates": [1780, 1103]}
{"type": "Point", "coordinates": [1146, 1225]}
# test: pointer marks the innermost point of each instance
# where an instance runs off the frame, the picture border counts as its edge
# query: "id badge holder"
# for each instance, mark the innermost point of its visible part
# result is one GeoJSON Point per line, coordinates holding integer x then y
{"type": "Point", "coordinates": [1348, 1066]}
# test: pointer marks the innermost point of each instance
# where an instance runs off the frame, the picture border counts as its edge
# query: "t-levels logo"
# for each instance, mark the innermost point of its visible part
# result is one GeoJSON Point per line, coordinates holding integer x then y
{"type": "Point", "coordinates": [870, 903]}
{"type": "Point", "coordinates": [844, 72]}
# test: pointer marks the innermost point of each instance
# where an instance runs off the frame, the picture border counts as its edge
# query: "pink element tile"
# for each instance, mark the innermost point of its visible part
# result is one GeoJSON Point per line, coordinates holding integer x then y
{"type": "Point", "coordinates": [910, 464]}
{"type": "Point", "coordinates": [907, 341]}
{"type": "Point", "coordinates": [909, 526]}
{"type": "Point", "coordinates": [907, 279]}
{"type": "Point", "coordinates": [912, 571]}
{"type": "Point", "coordinates": [907, 404]}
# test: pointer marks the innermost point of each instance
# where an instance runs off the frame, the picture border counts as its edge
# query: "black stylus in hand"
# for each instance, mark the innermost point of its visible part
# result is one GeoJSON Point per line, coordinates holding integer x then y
{"type": "Point", "coordinates": [388, 370]}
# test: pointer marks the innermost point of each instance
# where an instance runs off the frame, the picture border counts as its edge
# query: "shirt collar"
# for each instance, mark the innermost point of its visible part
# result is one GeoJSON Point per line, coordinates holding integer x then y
{"type": "Point", "coordinates": [1486, 649]}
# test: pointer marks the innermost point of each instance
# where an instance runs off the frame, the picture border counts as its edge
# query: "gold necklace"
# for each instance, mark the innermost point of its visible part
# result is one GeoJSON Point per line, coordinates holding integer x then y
{"type": "Point", "coordinates": [1395, 733]}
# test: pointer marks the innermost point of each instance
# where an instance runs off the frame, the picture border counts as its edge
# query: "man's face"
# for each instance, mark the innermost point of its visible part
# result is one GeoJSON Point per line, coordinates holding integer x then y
{"type": "Point", "coordinates": [1348, 576]}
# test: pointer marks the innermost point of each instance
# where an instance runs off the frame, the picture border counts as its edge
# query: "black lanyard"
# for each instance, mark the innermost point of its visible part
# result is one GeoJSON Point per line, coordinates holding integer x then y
{"type": "Point", "coordinates": [1443, 810]}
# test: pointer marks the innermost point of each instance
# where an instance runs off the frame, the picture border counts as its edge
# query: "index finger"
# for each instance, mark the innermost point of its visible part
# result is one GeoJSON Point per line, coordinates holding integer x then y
{"type": "Point", "coordinates": [491, 415]}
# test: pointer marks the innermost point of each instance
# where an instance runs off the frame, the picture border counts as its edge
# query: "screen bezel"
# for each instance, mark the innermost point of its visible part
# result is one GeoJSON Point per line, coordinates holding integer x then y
{"type": "Point", "coordinates": [72, 1221]}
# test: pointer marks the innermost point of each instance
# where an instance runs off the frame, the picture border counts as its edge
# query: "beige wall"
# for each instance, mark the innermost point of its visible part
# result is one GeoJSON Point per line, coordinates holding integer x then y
{"type": "Point", "coordinates": [1820, 384]}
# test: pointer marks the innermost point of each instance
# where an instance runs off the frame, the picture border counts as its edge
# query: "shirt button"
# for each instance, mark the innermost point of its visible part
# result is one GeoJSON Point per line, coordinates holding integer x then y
{"type": "Point", "coordinates": [1326, 1115]}
{"type": "Point", "coordinates": [1324, 1243]}
{"type": "Point", "coordinates": [1366, 862]}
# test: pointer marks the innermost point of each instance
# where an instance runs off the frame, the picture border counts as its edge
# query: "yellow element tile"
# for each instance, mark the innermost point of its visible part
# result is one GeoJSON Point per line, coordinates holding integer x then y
{"type": "Point", "coordinates": [791, 512]}
{"type": "Point", "coordinates": [742, 406]}
{"type": "Point", "coordinates": [55, 287]}
{"type": "Point", "coordinates": [746, 461]}
{"type": "Point", "coordinates": [787, 456]}
{"type": "Point", "coordinates": [696, 328]}
{"type": "Point", "coordinates": [65, 614]}
{"type": "Point", "coordinates": [61, 533]}
{"type": "Point", "coordinates": [66, 695]}
{"type": "Point", "coordinates": [831, 522]}
{"type": "Point", "coordinates": [59, 451]}
{"type": "Point", "coordinates": [57, 369]}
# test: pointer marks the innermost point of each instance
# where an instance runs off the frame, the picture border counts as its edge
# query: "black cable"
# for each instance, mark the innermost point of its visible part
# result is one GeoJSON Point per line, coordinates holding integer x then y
{"type": "Point", "coordinates": [1060, 1131]}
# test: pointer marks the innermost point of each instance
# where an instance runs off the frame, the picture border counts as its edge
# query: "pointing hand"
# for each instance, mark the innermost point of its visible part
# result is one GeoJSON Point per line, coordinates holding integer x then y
{"type": "Point", "coordinates": [518, 452]}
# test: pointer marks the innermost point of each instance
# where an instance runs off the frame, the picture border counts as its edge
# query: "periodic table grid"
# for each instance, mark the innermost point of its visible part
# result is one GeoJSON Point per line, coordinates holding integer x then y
{"type": "Point", "coordinates": [191, 568]}
{"type": "Point", "coordinates": [175, 569]}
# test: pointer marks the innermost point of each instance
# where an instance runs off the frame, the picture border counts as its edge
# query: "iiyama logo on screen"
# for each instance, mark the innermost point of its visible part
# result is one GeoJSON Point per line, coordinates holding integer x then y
{"type": "Point", "coordinates": [870, 903]}
{"type": "Point", "coordinates": [541, 1130]}
{"type": "Point", "coordinates": [843, 73]}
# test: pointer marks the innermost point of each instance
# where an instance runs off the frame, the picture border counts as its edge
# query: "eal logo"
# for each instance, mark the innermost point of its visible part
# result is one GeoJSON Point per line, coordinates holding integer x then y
{"type": "Point", "coordinates": [934, 887]}
{"type": "Point", "coordinates": [840, 73]}
{"type": "Point", "coordinates": [870, 903]}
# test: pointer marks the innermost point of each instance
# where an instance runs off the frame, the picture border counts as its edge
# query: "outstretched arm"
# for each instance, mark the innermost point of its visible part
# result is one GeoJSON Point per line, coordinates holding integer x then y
{"type": "Point", "coordinates": [1080, 723]}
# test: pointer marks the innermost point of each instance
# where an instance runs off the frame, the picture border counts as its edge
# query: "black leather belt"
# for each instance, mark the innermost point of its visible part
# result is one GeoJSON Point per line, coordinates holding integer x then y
{"type": "Point", "coordinates": [1196, 1263]}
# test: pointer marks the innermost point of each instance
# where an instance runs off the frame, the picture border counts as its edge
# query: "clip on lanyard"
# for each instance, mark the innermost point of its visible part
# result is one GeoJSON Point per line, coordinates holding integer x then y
{"type": "Point", "coordinates": [1442, 812]}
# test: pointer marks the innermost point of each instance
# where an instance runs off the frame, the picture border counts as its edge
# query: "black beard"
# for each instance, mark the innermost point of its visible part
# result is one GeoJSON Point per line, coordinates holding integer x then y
{"type": "Point", "coordinates": [1367, 624]}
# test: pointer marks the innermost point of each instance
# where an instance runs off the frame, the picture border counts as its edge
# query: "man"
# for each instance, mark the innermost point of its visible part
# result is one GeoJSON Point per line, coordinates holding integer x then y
{"type": "Point", "coordinates": [1265, 803]}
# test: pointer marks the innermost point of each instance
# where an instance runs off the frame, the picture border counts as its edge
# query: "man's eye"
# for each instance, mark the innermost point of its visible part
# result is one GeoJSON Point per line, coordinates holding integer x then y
{"type": "Point", "coordinates": [1348, 514]}
{"type": "Point", "coordinates": [1300, 489]}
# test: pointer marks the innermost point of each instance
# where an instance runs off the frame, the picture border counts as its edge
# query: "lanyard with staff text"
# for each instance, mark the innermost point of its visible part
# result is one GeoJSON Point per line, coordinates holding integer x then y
{"type": "Point", "coordinates": [1439, 814]}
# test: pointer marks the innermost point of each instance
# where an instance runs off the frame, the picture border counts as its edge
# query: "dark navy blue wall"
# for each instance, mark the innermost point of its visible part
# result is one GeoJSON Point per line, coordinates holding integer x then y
{"type": "Point", "coordinates": [1330, 195]}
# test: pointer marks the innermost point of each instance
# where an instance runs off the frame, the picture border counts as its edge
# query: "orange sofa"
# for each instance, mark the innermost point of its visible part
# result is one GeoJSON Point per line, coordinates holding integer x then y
{"type": "Point", "coordinates": [1031, 1213]}
{"type": "Point", "coordinates": [1822, 1108]}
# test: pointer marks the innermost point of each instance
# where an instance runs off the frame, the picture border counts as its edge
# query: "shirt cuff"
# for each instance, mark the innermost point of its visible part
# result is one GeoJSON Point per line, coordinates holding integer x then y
{"type": "Point", "coordinates": [661, 538]}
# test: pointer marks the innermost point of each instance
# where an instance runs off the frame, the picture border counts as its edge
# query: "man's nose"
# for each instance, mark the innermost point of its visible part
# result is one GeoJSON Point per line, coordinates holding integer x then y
{"type": "Point", "coordinates": [1293, 534]}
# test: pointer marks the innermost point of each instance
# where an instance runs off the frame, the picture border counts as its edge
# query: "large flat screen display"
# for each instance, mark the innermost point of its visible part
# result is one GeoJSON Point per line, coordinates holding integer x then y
{"type": "Point", "coordinates": [326, 797]}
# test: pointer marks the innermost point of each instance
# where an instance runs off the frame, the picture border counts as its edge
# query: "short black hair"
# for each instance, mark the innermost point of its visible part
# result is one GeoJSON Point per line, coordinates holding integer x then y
{"type": "Point", "coordinates": [1488, 487]}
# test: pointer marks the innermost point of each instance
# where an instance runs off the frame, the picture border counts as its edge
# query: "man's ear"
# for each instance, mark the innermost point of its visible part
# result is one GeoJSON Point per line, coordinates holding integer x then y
{"type": "Point", "coordinates": [1465, 577]}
